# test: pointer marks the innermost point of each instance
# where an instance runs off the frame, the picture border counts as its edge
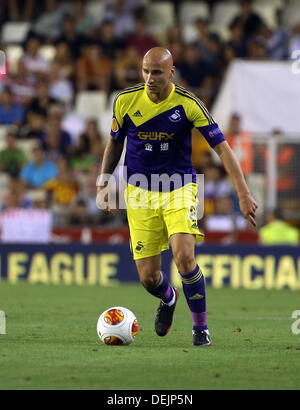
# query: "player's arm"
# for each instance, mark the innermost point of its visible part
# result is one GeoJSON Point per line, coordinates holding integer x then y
{"type": "Point", "coordinates": [247, 203]}
{"type": "Point", "coordinates": [205, 123]}
{"type": "Point", "coordinates": [111, 156]}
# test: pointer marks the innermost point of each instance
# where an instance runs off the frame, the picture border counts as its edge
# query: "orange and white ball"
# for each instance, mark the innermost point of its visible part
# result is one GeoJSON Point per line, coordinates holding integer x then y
{"type": "Point", "coordinates": [117, 326]}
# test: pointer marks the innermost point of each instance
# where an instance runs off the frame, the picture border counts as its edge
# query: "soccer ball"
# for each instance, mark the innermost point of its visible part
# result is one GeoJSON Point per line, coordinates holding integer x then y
{"type": "Point", "coordinates": [117, 326]}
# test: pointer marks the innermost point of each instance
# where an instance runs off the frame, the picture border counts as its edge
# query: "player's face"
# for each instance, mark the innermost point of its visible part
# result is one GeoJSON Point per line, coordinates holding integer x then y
{"type": "Point", "coordinates": [157, 76]}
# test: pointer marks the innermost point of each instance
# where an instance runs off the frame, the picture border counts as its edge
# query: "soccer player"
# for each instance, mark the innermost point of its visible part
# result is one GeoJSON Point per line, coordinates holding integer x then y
{"type": "Point", "coordinates": [157, 118]}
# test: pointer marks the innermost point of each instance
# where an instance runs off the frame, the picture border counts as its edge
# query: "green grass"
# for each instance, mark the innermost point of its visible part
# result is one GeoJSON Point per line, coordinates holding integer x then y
{"type": "Point", "coordinates": [51, 341]}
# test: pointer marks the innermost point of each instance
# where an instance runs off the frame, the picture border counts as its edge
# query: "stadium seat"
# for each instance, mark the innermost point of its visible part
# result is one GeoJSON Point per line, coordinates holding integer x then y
{"type": "Point", "coordinates": [223, 13]}
{"type": "Point", "coordinates": [47, 52]}
{"type": "Point", "coordinates": [13, 54]}
{"type": "Point", "coordinates": [90, 103]}
{"type": "Point", "coordinates": [290, 15]}
{"type": "Point", "coordinates": [188, 12]}
{"type": "Point", "coordinates": [160, 16]}
{"type": "Point", "coordinates": [14, 33]}
{"type": "Point", "coordinates": [276, 3]}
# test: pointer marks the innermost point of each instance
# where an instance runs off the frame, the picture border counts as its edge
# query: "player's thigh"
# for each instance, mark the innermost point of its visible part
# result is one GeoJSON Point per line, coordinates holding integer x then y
{"type": "Point", "coordinates": [148, 234]}
{"type": "Point", "coordinates": [183, 249]}
{"type": "Point", "coordinates": [180, 212]}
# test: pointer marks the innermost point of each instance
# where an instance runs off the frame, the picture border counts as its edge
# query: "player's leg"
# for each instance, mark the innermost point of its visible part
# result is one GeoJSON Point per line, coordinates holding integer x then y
{"type": "Point", "coordinates": [193, 283]}
{"type": "Point", "coordinates": [156, 283]}
{"type": "Point", "coordinates": [148, 239]}
{"type": "Point", "coordinates": [180, 218]}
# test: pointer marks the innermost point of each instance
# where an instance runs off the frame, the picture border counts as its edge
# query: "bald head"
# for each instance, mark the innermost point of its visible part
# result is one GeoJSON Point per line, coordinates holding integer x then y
{"type": "Point", "coordinates": [158, 71]}
{"type": "Point", "coordinates": [159, 55]}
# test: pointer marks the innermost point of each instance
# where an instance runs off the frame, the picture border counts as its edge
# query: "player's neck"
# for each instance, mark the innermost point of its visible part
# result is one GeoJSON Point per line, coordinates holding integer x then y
{"type": "Point", "coordinates": [160, 96]}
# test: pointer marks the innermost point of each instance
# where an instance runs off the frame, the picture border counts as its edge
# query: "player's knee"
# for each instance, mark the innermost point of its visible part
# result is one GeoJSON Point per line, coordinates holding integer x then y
{"type": "Point", "coordinates": [184, 261]}
{"type": "Point", "coordinates": [150, 281]}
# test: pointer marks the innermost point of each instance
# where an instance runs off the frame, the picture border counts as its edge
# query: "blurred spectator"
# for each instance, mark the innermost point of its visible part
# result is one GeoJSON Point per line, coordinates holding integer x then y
{"type": "Point", "coordinates": [63, 59]}
{"type": "Point", "coordinates": [10, 111]}
{"type": "Point", "coordinates": [84, 21]}
{"type": "Point", "coordinates": [275, 41]}
{"type": "Point", "coordinates": [19, 10]}
{"type": "Point", "coordinates": [201, 155]}
{"type": "Point", "coordinates": [62, 192]}
{"type": "Point", "coordinates": [42, 102]}
{"type": "Point", "coordinates": [174, 34]}
{"type": "Point", "coordinates": [35, 173]}
{"type": "Point", "coordinates": [64, 188]}
{"type": "Point", "coordinates": [256, 49]}
{"type": "Point", "coordinates": [70, 36]}
{"type": "Point", "coordinates": [240, 142]}
{"type": "Point", "coordinates": [110, 44]}
{"type": "Point", "coordinates": [48, 24]}
{"type": "Point", "coordinates": [127, 69]}
{"type": "Point", "coordinates": [16, 196]}
{"type": "Point", "coordinates": [22, 84]}
{"type": "Point", "coordinates": [235, 39]}
{"type": "Point", "coordinates": [12, 158]}
{"type": "Point", "coordinates": [294, 40]}
{"type": "Point", "coordinates": [192, 69]}
{"type": "Point", "coordinates": [78, 214]}
{"type": "Point", "coordinates": [209, 44]}
{"type": "Point", "coordinates": [122, 13]}
{"type": "Point", "coordinates": [34, 128]}
{"type": "Point", "coordinates": [277, 231]}
{"type": "Point", "coordinates": [60, 88]}
{"type": "Point", "coordinates": [215, 187]}
{"type": "Point", "coordinates": [56, 140]}
{"type": "Point", "coordinates": [225, 220]}
{"type": "Point", "coordinates": [54, 144]}
{"type": "Point", "coordinates": [139, 39]}
{"type": "Point", "coordinates": [93, 70]}
{"type": "Point", "coordinates": [89, 149]}
{"type": "Point", "coordinates": [34, 62]}
{"type": "Point", "coordinates": [228, 55]}
{"type": "Point", "coordinates": [248, 19]}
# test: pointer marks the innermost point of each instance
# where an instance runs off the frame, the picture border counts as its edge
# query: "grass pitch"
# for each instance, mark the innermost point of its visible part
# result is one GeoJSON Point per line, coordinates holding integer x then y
{"type": "Point", "coordinates": [51, 341]}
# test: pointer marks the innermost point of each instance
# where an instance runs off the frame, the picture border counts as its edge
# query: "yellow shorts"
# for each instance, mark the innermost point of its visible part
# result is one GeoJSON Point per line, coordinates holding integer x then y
{"type": "Point", "coordinates": [154, 216]}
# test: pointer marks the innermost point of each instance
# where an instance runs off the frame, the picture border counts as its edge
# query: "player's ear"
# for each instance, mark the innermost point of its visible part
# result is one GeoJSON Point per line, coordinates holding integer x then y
{"type": "Point", "coordinates": [173, 70]}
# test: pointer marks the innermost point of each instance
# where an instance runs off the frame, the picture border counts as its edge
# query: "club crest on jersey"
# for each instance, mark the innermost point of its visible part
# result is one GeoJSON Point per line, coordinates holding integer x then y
{"type": "Point", "coordinates": [148, 147]}
{"type": "Point", "coordinates": [175, 117]}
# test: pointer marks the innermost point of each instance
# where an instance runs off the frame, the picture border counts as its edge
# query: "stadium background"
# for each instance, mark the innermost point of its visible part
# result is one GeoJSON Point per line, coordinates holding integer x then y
{"type": "Point", "coordinates": [62, 65]}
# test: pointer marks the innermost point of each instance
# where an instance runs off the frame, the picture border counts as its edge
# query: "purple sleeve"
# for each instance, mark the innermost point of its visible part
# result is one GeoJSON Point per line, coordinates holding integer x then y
{"type": "Point", "coordinates": [212, 134]}
{"type": "Point", "coordinates": [118, 133]}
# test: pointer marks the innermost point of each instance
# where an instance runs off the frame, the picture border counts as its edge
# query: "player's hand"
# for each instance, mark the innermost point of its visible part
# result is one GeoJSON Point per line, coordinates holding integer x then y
{"type": "Point", "coordinates": [102, 199]}
{"type": "Point", "coordinates": [248, 207]}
